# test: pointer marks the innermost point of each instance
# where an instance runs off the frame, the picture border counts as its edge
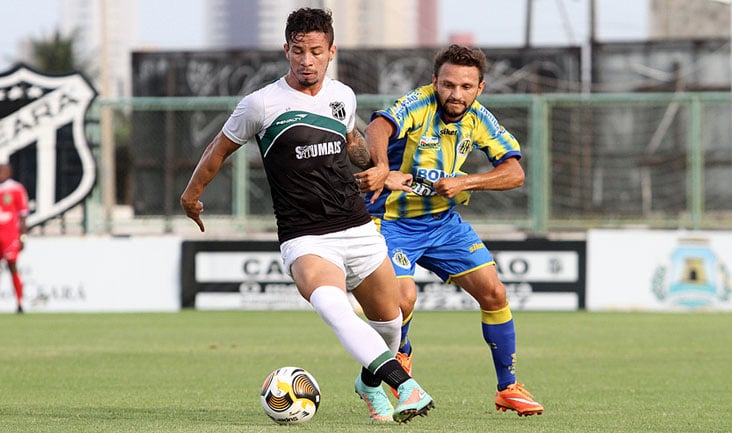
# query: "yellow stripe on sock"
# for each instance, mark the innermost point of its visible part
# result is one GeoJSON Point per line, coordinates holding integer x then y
{"type": "Point", "coordinates": [496, 317]}
{"type": "Point", "coordinates": [407, 319]}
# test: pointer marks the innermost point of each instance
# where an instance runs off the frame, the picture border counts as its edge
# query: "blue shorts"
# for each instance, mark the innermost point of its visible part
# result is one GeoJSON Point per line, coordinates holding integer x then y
{"type": "Point", "coordinates": [442, 243]}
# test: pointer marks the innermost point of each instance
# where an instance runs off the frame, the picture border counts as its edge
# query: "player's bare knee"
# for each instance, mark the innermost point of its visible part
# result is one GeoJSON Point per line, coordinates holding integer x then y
{"type": "Point", "coordinates": [407, 307]}
{"type": "Point", "coordinates": [407, 300]}
{"type": "Point", "coordinates": [492, 297]}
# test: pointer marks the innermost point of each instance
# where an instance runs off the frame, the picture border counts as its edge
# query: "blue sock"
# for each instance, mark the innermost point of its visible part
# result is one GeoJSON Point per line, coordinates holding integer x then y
{"type": "Point", "coordinates": [499, 333]}
{"type": "Point", "coordinates": [405, 346]}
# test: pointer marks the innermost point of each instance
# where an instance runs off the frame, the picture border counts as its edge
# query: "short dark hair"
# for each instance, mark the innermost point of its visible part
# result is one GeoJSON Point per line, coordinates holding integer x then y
{"type": "Point", "coordinates": [306, 20]}
{"type": "Point", "coordinates": [461, 56]}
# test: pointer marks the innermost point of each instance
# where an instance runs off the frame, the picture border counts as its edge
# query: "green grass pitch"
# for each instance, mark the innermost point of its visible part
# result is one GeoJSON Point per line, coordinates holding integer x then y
{"type": "Point", "coordinates": [202, 371]}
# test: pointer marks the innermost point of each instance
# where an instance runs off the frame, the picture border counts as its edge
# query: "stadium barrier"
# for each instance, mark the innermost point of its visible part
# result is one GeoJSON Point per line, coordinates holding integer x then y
{"type": "Point", "coordinates": [97, 274]}
{"type": "Point", "coordinates": [659, 270]}
{"type": "Point", "coordinates": [613, 270]}
{"type": "Point", "coordinates": [539, 275]}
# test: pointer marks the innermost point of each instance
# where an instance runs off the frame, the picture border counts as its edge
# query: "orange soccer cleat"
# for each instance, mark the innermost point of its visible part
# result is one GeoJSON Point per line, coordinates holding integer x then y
{"type": "Point", "coordinates": [405, 361]}
{"type": "Point", "coordinates": [516, 398]}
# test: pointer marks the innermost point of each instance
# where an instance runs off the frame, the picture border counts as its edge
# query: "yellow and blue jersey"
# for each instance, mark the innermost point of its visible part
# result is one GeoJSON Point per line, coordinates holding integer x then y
{"type": "Point", "coordinates": [430, 148]}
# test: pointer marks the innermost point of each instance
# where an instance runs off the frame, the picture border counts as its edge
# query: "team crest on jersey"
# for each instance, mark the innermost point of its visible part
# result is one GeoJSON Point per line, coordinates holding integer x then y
{"type": "Point", "coordinates": [338, 110]}
{"type": "Point", "coordinates": [464, 147]}
{"type": "Point", "coordinates": [42, 119]}
{"type": "Point", "coordinates": [400, 259]}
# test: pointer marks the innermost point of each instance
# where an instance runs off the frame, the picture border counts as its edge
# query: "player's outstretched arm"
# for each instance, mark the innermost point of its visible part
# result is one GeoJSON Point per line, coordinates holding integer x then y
{"type": "Point", "coordinates": [508, 175]}
{"type": "Point", "coordinates": [207, 168]}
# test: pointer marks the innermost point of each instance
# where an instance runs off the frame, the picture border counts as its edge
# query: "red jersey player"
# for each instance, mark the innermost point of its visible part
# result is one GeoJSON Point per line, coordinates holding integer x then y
{"type": "Point", "coordinates": [13, 210]}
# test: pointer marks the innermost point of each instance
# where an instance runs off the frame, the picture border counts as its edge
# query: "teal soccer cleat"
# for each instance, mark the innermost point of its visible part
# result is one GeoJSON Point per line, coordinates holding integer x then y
{"type": "Point", "coordinates": [413, 401]}
{"type": "Point", "coordinates": [380, 408]}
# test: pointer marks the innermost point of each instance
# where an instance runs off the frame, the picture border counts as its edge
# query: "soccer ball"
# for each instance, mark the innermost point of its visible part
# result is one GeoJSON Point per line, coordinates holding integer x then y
{"type": "Point", "coordinates": [290, 395]}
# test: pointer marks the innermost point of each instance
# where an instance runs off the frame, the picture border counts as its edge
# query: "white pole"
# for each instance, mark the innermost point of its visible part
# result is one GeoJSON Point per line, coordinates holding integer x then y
{"type": "Point", "coordinates": [106, 126]}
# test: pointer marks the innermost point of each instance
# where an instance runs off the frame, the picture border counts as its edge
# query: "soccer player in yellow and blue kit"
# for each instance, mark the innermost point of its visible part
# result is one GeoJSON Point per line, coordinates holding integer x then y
{"type": "Point", "coordinates": [418, 146]}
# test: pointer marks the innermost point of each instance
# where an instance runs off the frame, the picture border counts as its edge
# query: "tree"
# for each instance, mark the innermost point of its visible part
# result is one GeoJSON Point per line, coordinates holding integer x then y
{"type": "Point", "coordinates": [56, 54]}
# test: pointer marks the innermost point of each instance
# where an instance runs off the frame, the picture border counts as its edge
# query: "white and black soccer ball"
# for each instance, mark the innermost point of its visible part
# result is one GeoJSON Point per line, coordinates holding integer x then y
{"type": "Point", "coordinates": [290, 395]}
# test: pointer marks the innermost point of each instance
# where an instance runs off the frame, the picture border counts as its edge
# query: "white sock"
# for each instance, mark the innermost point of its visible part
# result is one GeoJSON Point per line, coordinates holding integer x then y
{"type": "Point", "coordinates": [360, 340]}
{"type": "Point", "coordinates": [390, 331]}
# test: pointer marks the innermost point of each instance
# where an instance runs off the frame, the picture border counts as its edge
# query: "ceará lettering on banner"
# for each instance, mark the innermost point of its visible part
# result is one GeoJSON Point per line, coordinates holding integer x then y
{"type": "Point", "coordinates": [256, 268]}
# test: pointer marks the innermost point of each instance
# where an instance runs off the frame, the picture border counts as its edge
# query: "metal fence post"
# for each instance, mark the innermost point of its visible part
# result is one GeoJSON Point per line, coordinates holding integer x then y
{"type": "Point", "coordinates": [695, 164]}
{"type": "Point", "coordinates": [539, 183]}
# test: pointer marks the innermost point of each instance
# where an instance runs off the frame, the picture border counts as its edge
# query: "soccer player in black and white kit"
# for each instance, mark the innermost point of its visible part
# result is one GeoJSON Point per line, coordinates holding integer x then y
{"type": "Point", "coordinates": [304, 126]}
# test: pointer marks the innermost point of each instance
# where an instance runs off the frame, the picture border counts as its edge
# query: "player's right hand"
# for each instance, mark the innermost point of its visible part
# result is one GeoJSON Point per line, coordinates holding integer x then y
{"type": "Point", "coordinates": [398, 181]}
{"type": "Point", "coordinates": [194, 209]}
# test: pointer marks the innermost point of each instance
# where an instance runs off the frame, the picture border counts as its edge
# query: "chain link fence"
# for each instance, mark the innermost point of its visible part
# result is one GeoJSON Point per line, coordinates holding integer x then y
{"type": "Point", "coordinates": [660, 160]}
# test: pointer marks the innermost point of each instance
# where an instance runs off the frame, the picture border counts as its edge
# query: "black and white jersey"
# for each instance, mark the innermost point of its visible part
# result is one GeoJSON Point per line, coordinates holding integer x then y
{"type": "Point", "coordinates": [302, 140]}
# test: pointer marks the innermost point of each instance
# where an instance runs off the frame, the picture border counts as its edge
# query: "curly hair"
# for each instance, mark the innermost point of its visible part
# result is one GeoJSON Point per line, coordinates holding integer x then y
{"type": "Point", "coordinates": [306, 20]}
{"type": "Point", "coordinates": [461, 56]}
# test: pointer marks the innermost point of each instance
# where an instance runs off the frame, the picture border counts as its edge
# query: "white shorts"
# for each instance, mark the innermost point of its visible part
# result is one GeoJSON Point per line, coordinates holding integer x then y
{"type": "Point", "coordinates": [358, 251]}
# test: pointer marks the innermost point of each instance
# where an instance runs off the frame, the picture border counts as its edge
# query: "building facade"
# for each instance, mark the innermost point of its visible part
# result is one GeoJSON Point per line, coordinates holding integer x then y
{"type": "Point", "coordinates": [105, 36]}
{"type": "Point", "coordinates": [358, 23]}
{"type": "Point", "coordinates": [684, 19]}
